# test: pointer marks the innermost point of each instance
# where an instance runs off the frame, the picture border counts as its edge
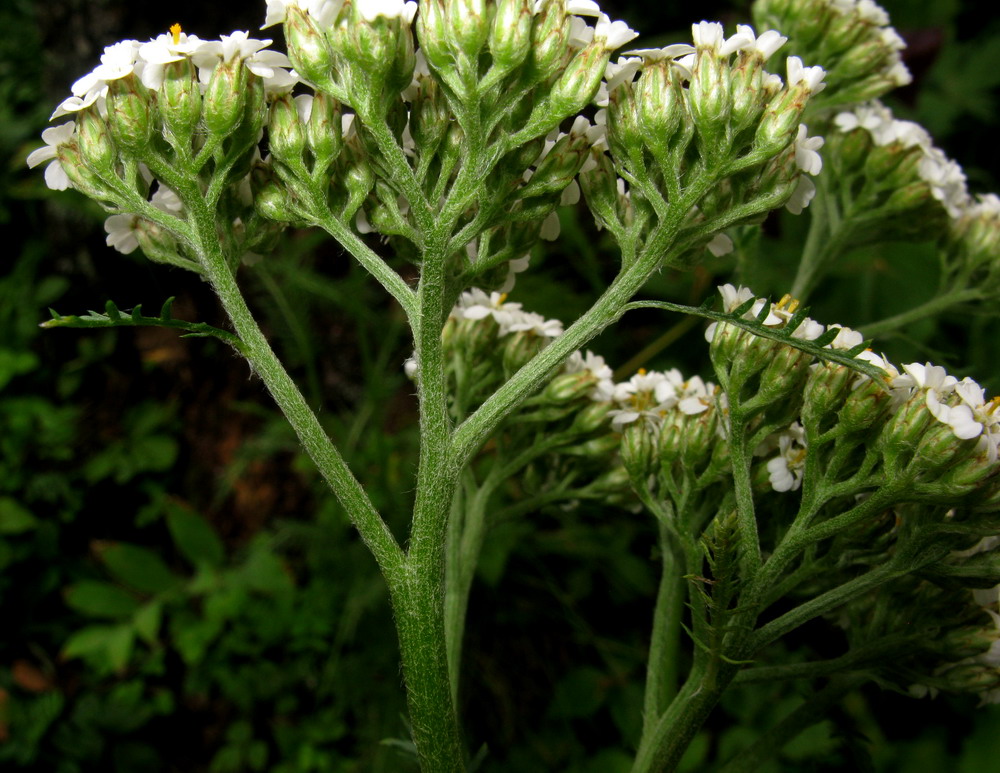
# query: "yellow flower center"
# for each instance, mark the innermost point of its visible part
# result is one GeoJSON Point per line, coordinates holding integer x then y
{"type": "Point", "coordinates": [175, 30]}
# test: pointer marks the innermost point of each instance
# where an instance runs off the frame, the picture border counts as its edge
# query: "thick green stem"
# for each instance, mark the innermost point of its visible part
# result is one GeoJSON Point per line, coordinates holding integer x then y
{"type": "Point", "coordinates": [313, 437]}
{"type": "Point", "coordinates": [664, 648]}
{"type": "Point", "coordinates": [661, 749]}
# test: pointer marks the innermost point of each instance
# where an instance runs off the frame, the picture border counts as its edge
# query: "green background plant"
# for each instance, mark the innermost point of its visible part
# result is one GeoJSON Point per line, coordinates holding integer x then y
{"type": "Point", "coordinates": [174, 570]}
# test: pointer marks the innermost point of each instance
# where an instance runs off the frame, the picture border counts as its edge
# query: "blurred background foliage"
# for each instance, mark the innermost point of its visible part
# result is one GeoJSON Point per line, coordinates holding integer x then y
{"type": "Point", "coordinates": [178, 591]}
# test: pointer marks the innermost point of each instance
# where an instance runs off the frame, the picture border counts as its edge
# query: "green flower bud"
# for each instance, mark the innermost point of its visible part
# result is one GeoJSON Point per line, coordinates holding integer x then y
{"type": "Point", "coordinates": [519, 348]}
{"type": "Point", "coordinates": [638, 451]}
{"type": "Point", "coordinates": [157, 244]}
{"type": "Point", "coordinates": [96, 146]}
{"type": "Point", "coordinates": [308, 49]}
{"type": "Point", "coordinates": [510, 33]}
{"type": "Point", "coordinates": [660, 105]}
{"type": "Point", "coordinates": [866, 405]}
{"type": "Point", "coordinates": [825, 391]}
{"type": "Point", "coordinates": [357, 180]}
{"type": "Point", "coordinates": [567, 387]}
{"type": "Point", "coordinates": [430, 116]}
{"type": "Point", "coordinates": [972, 677]}
{"type": "Point", "coordinates": [786, 370]}
{"type": "Point", "coordinates": [80, 175]}
{"type": "Point", "coordinates": [709, 97]}
{"type": "Point", "coordinates": [557, 170]}
{"type": "Point", "coordinates": [130, 113]}
{"type": "Point", "coordinates": [624, 127]}
{"type": "Point", "coordinates": [549, 40]}
{"type": "Point", "coordinates": [432, 34]}
{"type": "Point", "coordinates": [600, 187]}
{"type": "Point", "coordinates": [270, 197]}
{"type": "Point", "coordinates": [591, 418]}
{"type": "Point", "coordinates": [226, 97]}
{"type": "Point", "coordinates": [579, 81]}
{"type": "Point", "coordinates": [286, 138]}
{"type": "Point", "coordinates": [467, 27]}
{"type": "Point", "coordinates": [324, 130]}
{"type": "Point", "coordinates": [180, 99]}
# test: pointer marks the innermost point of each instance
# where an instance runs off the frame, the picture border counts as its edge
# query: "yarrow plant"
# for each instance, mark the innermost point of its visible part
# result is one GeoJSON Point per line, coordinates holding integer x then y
{"type": "Point", "coordinates": [810, 471]}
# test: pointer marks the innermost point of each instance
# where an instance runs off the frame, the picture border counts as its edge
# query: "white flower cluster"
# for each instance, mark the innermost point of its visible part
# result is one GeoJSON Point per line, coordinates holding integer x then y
{"type": "Point", "coordinates": [961, 405]}
{"type": "Point", "coordinates": [651, 397]}
{"type": "Point", "coordinates": [475, 304]}
{"type": "Point", "coordinates": [147, 61]}
{"type": "Point", "coordinates": [943, 175]}
{"type": "Point", "coordinates": [872, 14]}
{"type": "Point", "coordinates": [325, 12]}
{"type": "Point", "coordinates": [710, 36]}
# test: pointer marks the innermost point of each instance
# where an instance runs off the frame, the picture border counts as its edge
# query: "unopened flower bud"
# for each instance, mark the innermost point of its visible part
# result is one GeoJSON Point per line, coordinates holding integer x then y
{"type": "Point", "coordinates": [467, 27]}
{"type": "Point", "coordinates": [567, 387]}
{"type": "Point", "coordinates": [592, 418]}
{"type": "Point", "coordinates": [95, 143]}
{"type": "Point", "coordinates": [638, 450]}
{"type": "Point", "coordinates": [709, 96]}
{"type": "Point", "coordinates": [130, 116]}
{"type": "Point", "coordinates": [825, 390]}
{"type": "Point", "coordinates": [180, 98]}
{"type": "Point", "coordinates": [624, 125]}
{"type": "Point", "coordinates": [661, 107]}
{"type": "Point", "coordinates": [285, 136]}
{"type": "Point", "coordinates": [432, 34]}
{"type": "Point", "coordinates": [308, 50]}
{"type": "Point", "coordinates": [80, 176]}
{"type": "Point", "coordinates": [510, 33]}
{"type": "Point", "coordinates": [430, 117]}
{"type": "Point", "coordinates": [519, 348]}
{"type": "Point", "coordinates": [226, 97]}
{"type": "Point", "coordinates": [324, 129]}
{"type": "Point", "coordinates": [549, 40]}
{"type": "Point", "coordinates": [579, 82]}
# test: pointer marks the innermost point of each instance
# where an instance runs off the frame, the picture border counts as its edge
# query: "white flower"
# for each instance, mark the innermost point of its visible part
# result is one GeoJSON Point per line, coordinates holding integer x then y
{"type": "Point", "coordinates": [588, 362]}
{"type": "Point", "coordinates": [765, 44]}
{"type": "Point", "coordinates": [322, 11]}
{"type": "Point", "coordinates": [390, 9]}
{"type": "Point", "coordinates": [530, 322]}
{"type": "Point", "coordinates": [163, 49]}
{"type": "Point", "coordinates": [707, 34]}
{"type": "Point", "coordinates": [270, 66]}
{"type": "Point", "coordinates": [550, 227]}
{"type": "Point", "coordinates": [578, 7]}
{"type": "Point", "coordinates": [805, 191]}
{"type": "Point", "coordinates": [614, 34]}
{"type": "Point", "coordinates": [846, 338]}
{"type": "Point", "coordinates": [806, 156]}
{"type": "Point", "coordinates": [121, 233]}
{"type": "Point", "coordinates": [117, 61]}
{"type": "Point", "coordinates": [810, 77]}
{"type": "Point", "coordinates": [647, 395]}
{"type": "Point", "coordinates": [514, 267]}
{"type": "Point", "coordinates": [720, 245]}
{"type": "Point", "coordinates": [785, 471]}
{"type": "Point", "coordinates": [55, 176]}
{"type": "Point", "coordinates": [661, 54]}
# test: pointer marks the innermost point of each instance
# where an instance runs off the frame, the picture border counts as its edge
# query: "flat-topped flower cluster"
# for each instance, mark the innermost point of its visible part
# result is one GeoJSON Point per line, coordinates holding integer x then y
{"type": "Point", "coordinates": [914, 395]}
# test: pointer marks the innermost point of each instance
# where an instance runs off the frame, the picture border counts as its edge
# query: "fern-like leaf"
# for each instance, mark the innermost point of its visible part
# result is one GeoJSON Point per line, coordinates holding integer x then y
{"type": "Point", "coordinates": [781, 334]}
{"type": "Point", "coordinates": [113, 317]}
